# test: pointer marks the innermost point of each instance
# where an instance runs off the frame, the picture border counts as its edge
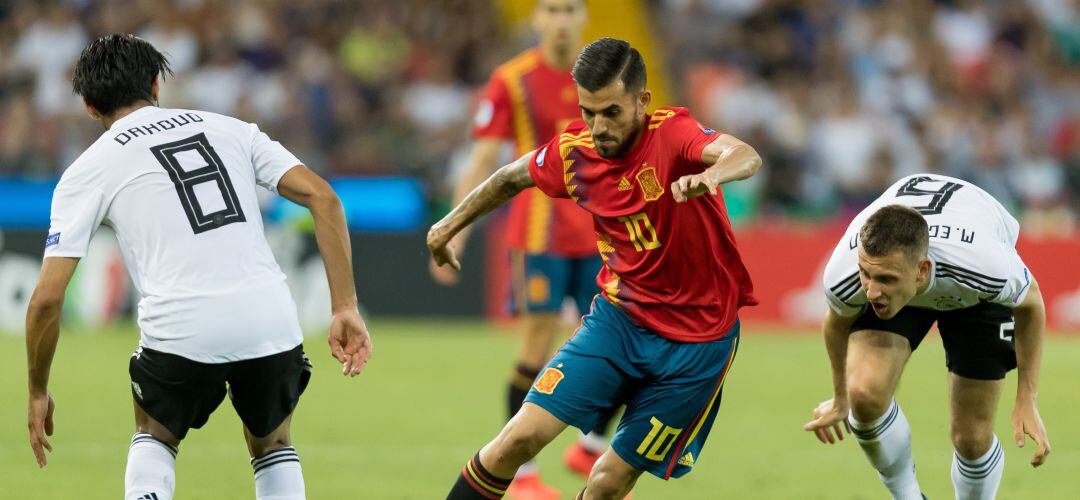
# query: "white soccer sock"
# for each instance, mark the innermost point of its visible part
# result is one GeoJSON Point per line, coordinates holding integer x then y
{"type": "Point", "coordinates": [887, 444]}
{"type": "Point", "coordinates": [151, 472]}
{"type": "Point", "coordinates": [278, 475]}
{"type": "Point", "coordinates": [978, 479]}
{"type": "Point", "coordinates": [593, 442]}
{"type": "Point", "coordinates": [527, 469]}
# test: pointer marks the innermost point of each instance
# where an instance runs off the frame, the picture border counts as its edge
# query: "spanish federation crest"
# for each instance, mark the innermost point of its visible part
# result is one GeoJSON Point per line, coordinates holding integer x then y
{"type": "Point", "coordinates": [650, 184]}
{"type": "Point", "coordinates": [548, 381]}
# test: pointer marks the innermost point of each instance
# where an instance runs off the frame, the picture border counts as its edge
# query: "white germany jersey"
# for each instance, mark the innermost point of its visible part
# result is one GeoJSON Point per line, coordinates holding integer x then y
{"type": "Point", "coordinates": [178, 188]}
{"type": "Point", "coordinates": [972, 248]}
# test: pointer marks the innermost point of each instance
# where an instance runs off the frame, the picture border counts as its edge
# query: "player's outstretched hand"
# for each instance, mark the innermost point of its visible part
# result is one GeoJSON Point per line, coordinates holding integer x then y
{"type": "Point", "coordinates": [827, 418]}
{"type": "Point", "coordinates": [1026, 420]}
{"type": "Point", "coordinates": [692, 186]}
{"type": "Point", "coordinates": [349, 341]}
{"type": "Point", "coordinates": [444, 275]}
{"type": "Point", "coordinates": [442, 250]}
{"type": "Point", "coordinates": [40, 422]}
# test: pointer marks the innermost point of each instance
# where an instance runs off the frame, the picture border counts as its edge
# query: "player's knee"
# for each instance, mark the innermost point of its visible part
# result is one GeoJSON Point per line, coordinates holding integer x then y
{"type": "Point", "coordinates": [260, 447]}
{"type": "Point", "coordinates": [607, 483]}
{"type": "Point", "coordinates": [868, 399]}
{"type": "Point", "coordinates": [972, 442]}
{"type": "Point", "coordinates": [517, 446]}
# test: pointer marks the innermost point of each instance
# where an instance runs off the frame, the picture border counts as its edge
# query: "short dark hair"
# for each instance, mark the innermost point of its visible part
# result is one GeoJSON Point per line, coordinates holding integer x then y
{"type": "Point", "coordinates": [608, 59]}
{"type": "Point", "coordinates": [116, 70]}
{"type": "Point", "coordinates": [892, 228]}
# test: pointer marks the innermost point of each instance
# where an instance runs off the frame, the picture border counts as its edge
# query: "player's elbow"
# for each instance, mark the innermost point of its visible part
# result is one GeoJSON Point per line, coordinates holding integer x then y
{"type": "Point", "coordinates": [1032, 306]}
{"type": "Point", "coordinates": [752, 163]}
{"type": "Point", "coordinates": [323, 197]}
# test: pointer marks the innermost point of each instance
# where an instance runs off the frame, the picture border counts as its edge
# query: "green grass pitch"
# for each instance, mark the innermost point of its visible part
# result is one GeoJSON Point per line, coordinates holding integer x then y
{"type": "Point", "coordinates": [433, 395]}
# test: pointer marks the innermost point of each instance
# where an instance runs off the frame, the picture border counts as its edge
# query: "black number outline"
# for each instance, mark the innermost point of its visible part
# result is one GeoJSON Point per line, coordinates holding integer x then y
{"type": "Point", "coordinates": [185, 182]}
{"type": "Point", "coordinates": [940, 196]}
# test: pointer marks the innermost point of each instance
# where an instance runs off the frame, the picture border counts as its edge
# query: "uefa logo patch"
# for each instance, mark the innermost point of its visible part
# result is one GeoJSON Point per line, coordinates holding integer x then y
{"type": "Point", "coordinates": [484, 113]}
{"type": "Point", "coordinates": [52, 240]}
{"type": "Point", "coordinates": [540, 156]}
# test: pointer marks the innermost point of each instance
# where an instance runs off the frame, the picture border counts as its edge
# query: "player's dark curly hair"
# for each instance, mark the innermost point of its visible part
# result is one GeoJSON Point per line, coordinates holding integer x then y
{"type": "Point", "coordinates": [608, 59]}
{"type": "Point", "coordinates": [117, 70]}
{"type": "Point", "coordinates": [892, 228]}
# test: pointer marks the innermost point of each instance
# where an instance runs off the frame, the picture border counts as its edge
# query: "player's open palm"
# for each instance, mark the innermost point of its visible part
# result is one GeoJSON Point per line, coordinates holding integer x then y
{"type": "Point", "coordinates": [828, 417]}
{"type": "Point", "coordinates": [1026, 421]}
{"type": "Point", "coordinates": [349, 341]}
{"type": "Point", "coordinates": [40, 423]}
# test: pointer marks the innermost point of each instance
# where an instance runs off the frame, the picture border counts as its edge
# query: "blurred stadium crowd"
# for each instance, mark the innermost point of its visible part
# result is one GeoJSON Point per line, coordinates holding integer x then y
{"type": "Point", "coordinates": [839, 96]}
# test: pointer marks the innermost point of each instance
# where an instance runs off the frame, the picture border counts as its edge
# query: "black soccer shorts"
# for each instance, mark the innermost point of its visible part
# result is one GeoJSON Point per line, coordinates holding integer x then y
{"type": "Point", "coordinates": [978, 340]}
{"type": "Point", "coordinates": [181, 394]}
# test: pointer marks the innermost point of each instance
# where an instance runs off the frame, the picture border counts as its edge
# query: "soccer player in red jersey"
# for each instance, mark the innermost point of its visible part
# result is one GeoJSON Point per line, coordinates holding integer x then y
{"type": "Point", "coordinates": [529, 99]}
{"type": "Point", "coordinates": [664, 331]}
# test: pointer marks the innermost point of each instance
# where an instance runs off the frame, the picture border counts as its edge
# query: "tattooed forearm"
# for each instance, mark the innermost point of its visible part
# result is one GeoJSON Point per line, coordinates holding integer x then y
{"type": "Point", "coordinates": [503, 185]}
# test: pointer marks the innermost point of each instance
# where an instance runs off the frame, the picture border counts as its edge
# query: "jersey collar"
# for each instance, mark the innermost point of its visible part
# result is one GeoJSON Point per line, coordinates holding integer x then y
{"type": "Point", "coordinates": [132, 116]}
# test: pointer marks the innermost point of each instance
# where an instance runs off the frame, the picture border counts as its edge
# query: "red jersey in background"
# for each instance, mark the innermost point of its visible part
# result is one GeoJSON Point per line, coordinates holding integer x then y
{"type": "Point", "coordinates": [528, 101]}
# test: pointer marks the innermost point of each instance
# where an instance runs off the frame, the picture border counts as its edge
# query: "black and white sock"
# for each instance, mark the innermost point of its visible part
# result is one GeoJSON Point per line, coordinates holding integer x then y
{"type": "Point", "coordinates": [978, 479]}
{"type": "Point", "coordinates": [278, 475]}
{"type": "Point", "coordinates": [887, 444]}
{"type": "Point", "coordinates": [151, 469]}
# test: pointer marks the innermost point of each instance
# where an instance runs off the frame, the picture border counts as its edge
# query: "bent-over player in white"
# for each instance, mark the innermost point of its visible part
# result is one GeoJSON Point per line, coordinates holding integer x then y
{"type": "Point", "coordinates": [932, 249]}
{"type": "Point", "coordinates": [178, 187]}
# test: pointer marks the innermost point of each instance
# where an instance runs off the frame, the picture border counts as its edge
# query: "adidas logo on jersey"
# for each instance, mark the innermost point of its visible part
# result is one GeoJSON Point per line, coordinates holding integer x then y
{"type": "Point", "coordinates": [687, 459]}
{"type": "Point", "coordinates": [149, 496]}
{"type": "Point", "coordinates": [624, 185]}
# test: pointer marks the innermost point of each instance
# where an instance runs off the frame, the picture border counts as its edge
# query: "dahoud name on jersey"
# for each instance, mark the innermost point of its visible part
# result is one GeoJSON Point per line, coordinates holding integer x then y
{"type": "Point", "coordinates": [159, 126]}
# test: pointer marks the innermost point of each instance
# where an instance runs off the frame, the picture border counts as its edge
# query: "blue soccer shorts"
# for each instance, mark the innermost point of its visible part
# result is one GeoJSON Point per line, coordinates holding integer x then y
{"type": "Point", "coordinates": [671, 390]}
{"type": "Point", "coordinates": [541, 281]}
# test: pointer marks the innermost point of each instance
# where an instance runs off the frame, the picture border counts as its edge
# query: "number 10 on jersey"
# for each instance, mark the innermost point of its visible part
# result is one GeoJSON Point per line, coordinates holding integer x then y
{"type": "Point", "coordinates": [638, 225]}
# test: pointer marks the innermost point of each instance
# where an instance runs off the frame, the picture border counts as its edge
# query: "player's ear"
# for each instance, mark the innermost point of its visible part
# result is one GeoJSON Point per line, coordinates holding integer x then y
{"type": "Point", "coordinates": [91, 110]}
{"type": "Point", "coordinates": [924, 270]}
{"type": "Point", "coordinates": [154, 87]}
{"type": "Point", "coordinates": [644, 99]}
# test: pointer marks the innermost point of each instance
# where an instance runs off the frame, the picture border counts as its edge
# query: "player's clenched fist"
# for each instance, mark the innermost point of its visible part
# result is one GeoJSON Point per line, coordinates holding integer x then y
{"type": "Point", "coordinates": [441, 250]}
{"type": "Point", "coordinates": [827, 418]}
{"type": "Point", "coordinates": [692, 186]}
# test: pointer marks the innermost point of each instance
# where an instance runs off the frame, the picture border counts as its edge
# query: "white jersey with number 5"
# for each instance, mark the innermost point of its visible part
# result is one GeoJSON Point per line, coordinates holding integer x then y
{"type": "Point", "coordinates": [179, 189]}
{"type": "Point", "coordinates": [972, 248]}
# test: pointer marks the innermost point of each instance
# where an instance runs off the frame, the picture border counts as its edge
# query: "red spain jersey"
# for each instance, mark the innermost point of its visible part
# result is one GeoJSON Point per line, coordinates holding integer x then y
{"type": "Point", "coordinates": [672, 267]}
{"type": "Point", "coordinates": [528, 101]}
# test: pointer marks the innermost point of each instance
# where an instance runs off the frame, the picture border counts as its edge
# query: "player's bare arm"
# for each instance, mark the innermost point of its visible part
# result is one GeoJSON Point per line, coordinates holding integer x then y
{"type": "Point", "coordinates": [1030, 317]}
{"type": "Point", "coordinates": [503, 185]}
{"type": "Point", "coordinates": [349, 340]}
{"type": "Point", "coordinates": [42, 333]}
{"type": "Point", "coordinates": [481, 163]}
{"type": "Point", "coordinates": [829, 415]}
{"type": "Point", "coordinates": [730, 159]}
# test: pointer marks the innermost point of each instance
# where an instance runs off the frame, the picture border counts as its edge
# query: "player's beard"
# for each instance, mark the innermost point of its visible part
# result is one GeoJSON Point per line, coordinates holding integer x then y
{"type": "Point", "coordinates": [627, 142]}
